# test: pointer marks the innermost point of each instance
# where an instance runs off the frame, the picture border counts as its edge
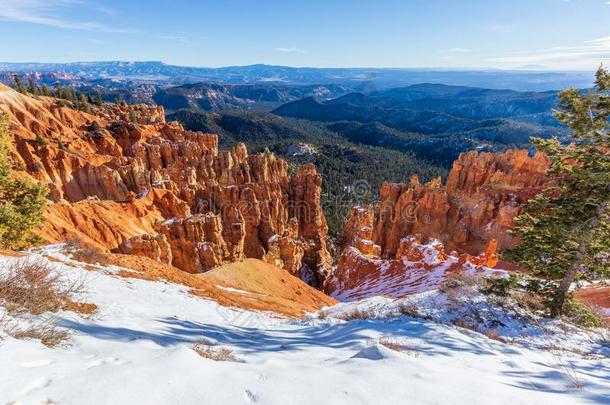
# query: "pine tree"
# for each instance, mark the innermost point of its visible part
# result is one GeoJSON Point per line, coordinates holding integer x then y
{"type": "Point", "coordinates": [19, 84]}
{"type": "Point", "coordinates": [32, 88]}
{"type": "Point", "coordinates": [565, 231]}
{"type": "Point", "coordinates": [21, 201]}
{"type": "Point", "coordinates": [58, 90]}
{"type": "Point", "coordinates": [83, 102]}
{"type": "Point", "coordinates": [97, 100]}
{"type": "Point", "coordinates": [45, 91]}
{"type": "Point", "coordinates": [68, 94]}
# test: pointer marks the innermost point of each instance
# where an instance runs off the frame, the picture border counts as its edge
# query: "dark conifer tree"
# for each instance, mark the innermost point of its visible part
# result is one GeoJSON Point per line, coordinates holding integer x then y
{"type": "Point", "coordinates": [565, 231]}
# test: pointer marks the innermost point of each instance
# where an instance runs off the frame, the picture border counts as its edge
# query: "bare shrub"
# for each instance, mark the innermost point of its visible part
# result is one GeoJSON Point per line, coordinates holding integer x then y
{"type": "Point", "coordinates": [530, 301]}
{"type": "Point", "coordinates": [32, 286]}
{"type": "Point", "coordinates": [494, 335]}
{"type": "Point", "coordinates": [605, 338]}
{"type": "Point", "coordinates": [464, 323]}
{"type": "Point", "coordinates": [459, 280]}
{"type": "Point", "coordinates": [459, 287]}
{"type": "Point", "coordinates": [48, 334]}
{"type": "Point", "coordinates": [559, 362]}
{"type": "Point", "coordinates": [82, 252]}
{"type": "Point", "coordinates": [567, 369]}
{"type": "Point", "coordinates": [204, 349]}
{"type": "Point", "coordinates": [398, 345]}
{"type": "Point", "coordinates": [408, 308]}
{"type": "Point", "coordinates": [356, 314]}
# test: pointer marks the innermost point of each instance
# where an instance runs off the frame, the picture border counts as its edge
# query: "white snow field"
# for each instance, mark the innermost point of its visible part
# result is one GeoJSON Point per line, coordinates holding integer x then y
{"type": "Point", "coordinates": [136, 349]}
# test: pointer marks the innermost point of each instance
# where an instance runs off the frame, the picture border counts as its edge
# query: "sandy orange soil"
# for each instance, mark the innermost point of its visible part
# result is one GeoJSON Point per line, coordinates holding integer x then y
{"type": "Point", "coordinates": [250, 284]}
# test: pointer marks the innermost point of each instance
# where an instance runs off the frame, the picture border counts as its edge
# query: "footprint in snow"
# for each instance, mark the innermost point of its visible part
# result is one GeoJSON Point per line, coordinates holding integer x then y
{"type": "Point", "coordinates": [250, 396]}
{"type": "Point", "coordinates": [103, 362]}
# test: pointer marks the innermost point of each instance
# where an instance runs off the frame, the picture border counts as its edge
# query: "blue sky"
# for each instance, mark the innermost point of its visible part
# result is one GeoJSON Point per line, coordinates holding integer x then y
{"type": "Point", "coordinates": [545, 34]}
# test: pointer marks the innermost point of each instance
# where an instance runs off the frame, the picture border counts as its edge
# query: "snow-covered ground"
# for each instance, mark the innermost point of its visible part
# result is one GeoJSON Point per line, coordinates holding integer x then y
{"type": "Point", "coordinates": [136, 349]}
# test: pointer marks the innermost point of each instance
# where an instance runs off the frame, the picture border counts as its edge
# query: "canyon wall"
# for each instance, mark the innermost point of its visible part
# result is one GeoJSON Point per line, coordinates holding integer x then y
{"type": "Point", "coordinates": [398, 245]}
{"type": "Point", "coordinates": [123, 179]}
{"type": "Point", "coordinates": [481, 197]}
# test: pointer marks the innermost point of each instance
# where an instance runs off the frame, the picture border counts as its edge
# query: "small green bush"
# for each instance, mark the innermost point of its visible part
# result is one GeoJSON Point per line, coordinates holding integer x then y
{"type": "Point", "coordinates": [500, 286]}
{"type": "Point", "coordinates": [41, 140]}
{"type": "Point", "coordinates": [22, 202]}
{"type": "Point", "coordinates": [580, 314]}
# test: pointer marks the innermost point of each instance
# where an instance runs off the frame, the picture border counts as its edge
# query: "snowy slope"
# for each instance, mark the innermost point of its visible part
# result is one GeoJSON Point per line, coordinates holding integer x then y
{"type": "Point", "coordinates": [136, 350]}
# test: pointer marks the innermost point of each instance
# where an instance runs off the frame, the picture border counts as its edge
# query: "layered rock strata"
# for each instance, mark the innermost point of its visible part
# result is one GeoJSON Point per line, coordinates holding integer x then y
{"type": "Point", "coordinates": [482, 195]}
{"type": "Point", "coordinates": [398, 245]}
{"type": "Point", "coordinates": [176, 196]}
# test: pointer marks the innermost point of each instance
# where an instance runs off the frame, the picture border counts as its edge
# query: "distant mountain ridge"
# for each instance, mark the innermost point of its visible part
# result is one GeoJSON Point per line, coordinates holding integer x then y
{"type": "Point", "coordinates": [362, 79]}
{"type": "Point", "coordinates": [262, 97]}
{"type": "Point", "coordinates": [500, 116]}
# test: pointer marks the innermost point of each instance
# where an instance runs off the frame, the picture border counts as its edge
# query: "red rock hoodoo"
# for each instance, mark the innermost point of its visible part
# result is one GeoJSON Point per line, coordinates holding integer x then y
{"type": "Point", "coordinates": [482, 196]}
{"type": "Point", "coordinates": [125, 180]}
{"type": "Point", "coordinates": [471, 214]}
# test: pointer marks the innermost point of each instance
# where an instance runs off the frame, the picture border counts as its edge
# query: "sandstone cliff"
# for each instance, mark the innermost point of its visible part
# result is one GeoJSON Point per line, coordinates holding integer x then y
{"type": "Point", "coordinates": [478, 203]}
{"type": "Point", "coordinates": [398, 246]}
{"type": "Point", "coordinates": [125, 180]}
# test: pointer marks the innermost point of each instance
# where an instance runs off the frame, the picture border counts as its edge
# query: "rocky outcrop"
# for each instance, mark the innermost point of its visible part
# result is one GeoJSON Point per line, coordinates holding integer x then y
{"type": "Point", "coordinates": [305, 207]}
{"type": "Point", "coordinates": [482, 196]}
{"type": "Point", "coordinates": [186, 201]}
{"type": "Point", "coordinates": [197, 243]}
{"type": "Point", "coordinates": [106, 224]}
{"type": "Point", "coordinates": [285, 250]}
{"type": "Point", "coordinates": [416, 266]}
{"type": "Point", "coordinates": [154, 246]}
{"type": "Point", "coordinates": [398, 246]}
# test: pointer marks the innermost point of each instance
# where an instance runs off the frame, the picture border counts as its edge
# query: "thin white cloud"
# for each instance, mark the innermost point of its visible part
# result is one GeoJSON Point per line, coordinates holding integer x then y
{"type": "Point", "coordinates": [586, 56]}
{"type": "Point", "coordinates": [106, 10]}
{"type": "Point", "coordinates": [604, 41]}
{"type": "Point", "coordinates": [47, 12]}
{"type": "Point", "coordinates": [290, 50]}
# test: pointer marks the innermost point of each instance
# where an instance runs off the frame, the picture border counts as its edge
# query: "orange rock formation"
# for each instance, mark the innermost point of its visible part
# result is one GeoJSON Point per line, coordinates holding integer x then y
{"type": "Point", "coordinates": [125, 180]}
{"type": "Point", "coordinates": [482, 196]}
{"type": "Point", "coordinates": [383, 249]}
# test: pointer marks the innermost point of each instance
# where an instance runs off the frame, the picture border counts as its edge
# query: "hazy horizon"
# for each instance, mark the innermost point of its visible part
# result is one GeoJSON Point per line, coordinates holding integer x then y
{"type": "Point", "coordinates": [441, 34]}
{"type": "Point", "coordinates": [423, 68]}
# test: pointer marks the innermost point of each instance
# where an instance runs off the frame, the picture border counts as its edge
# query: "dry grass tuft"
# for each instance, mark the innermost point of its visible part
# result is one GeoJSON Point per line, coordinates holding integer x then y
{"type": "Point", "coordinates": [398, 345]}
{"type": "Point", "coordinates": [493, 334]}
{"type": "Point", "coordinates": [85, 308]}
{"type": "Point", "coordinates": [47, 333]}
{"type": "Point", "coordinates": [204, 349]}
{"type": "Point", "coordinates": [355, 315]}
{"type": "Point", "coordinates": [408, 308]}
{"type": "Point", "coordinates": [32, 286]}
{"type": "Point", "coordinates": [465, 324]}
{"type": "Point", "coordinates": [460, 287]}
{"type": "Point", "coordinates": [82, 252]}
{"type": "Point", "coordinates": [459, 281]}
